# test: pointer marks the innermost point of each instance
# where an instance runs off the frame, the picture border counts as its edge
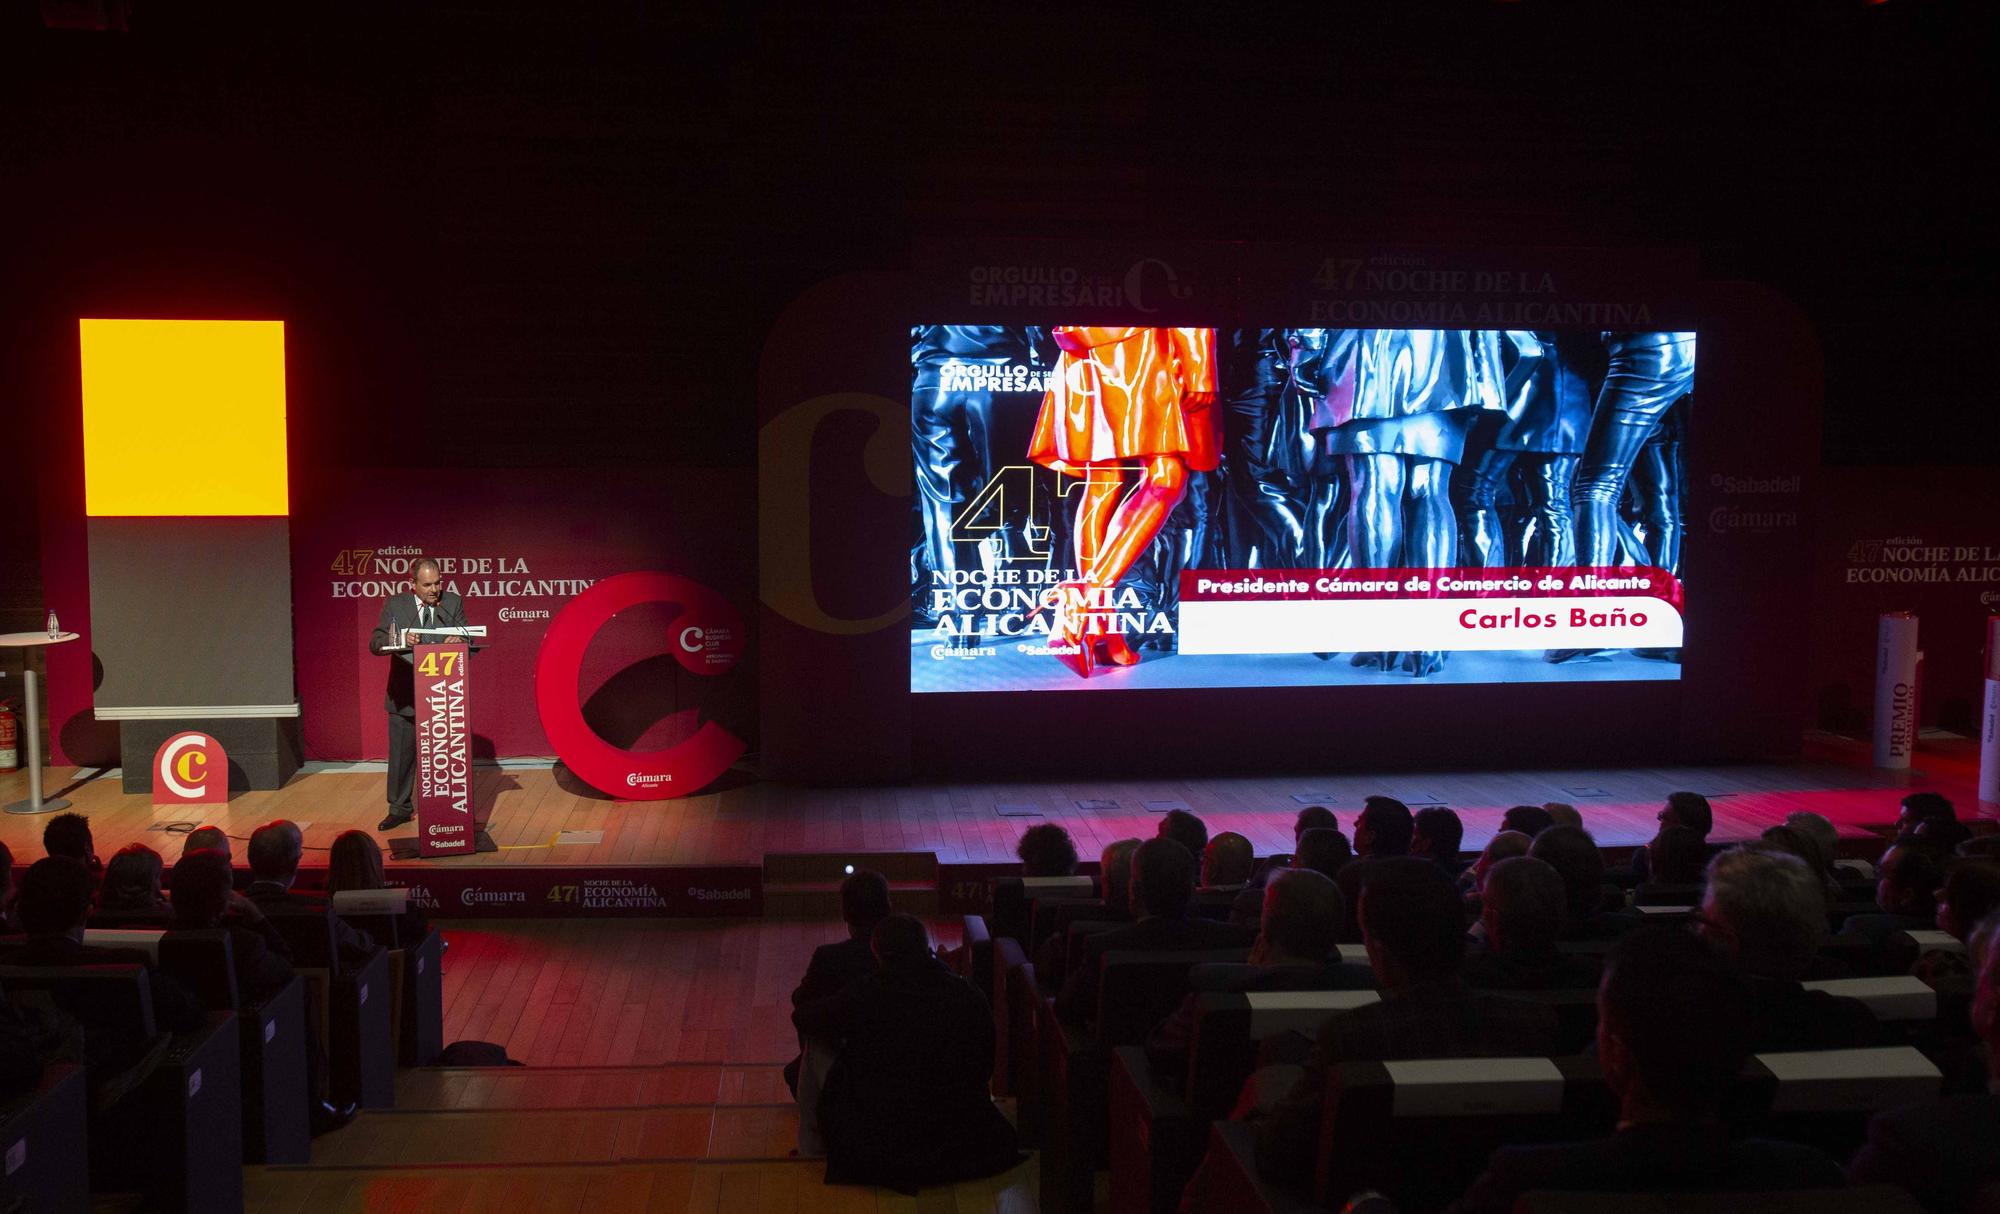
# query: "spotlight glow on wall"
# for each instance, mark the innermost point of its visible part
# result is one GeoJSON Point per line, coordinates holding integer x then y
{"type": "Point", "coordinates": [184, 418]}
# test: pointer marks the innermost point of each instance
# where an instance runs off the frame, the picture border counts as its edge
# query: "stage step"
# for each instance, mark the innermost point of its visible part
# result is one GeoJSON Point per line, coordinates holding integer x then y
{"type": "Point", "coordinates": [821, 899]}
{"type": "Point", "coordinates": [617, 1188]}
{"type": "Point", "coordinates": [467, 1089]}
{"type": "Point", "coordinates": [806, 885]}
{"type": "Point", "coordinates": [399, 1138]}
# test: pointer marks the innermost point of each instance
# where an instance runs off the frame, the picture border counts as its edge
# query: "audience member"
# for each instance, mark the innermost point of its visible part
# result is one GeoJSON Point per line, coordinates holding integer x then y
{"type": "Point", "coordinates": [1226, 863]}
{"type": "Point", "coordinates": [1971, 892]}
{"type": "Point", "coordinates": [1046, 850]}
{"type": "Point", "coordinates": [1321, 849]}
{"type": "Point", "coordinates": [1676, 856]}
{"type": "Point", "coordinates": [1502, 846]}
{"type": "Point", "coordinates": [1114, 880]}
{"type": "Point", "coordinates": [201, 885]}
{"type": "Point", "coordinates": [1411, 921]}
{"type": "Point", "coordinates": [1530, 820]}
{"type": "Point", "coordinates": [1562, 813]}
{"type": "Point", "coordinates": [1906, 883]}
{"type": "Point", "coordinates": [905, 1102]}
{"type": "Point", "coordinates": [1295, 951]}
{"type": "Point", "coordinates": [1523, 911]}
{"type": "Point", "coordinates": [1673, 1030]}
{"type": "Point", "coordinates": [275, 850]}
{"type": "Point", "coordinates": [864, 902]}
{"type": "Point", "coordinates": [1688, 809]}
{"type": "Point", "coordinates": [1312, 817]}
{"type": "Point", "coordinates": [1947, 1152]}
{"type": "Point", "coordinates": [208, 838]}
{"type": "Point", "coordinates": [1382, 829]}
{"type": "Point", "coordinates": [355, 862]}
{"type": "Point", "coordinates": [1162, 886]}
{"type": "Point", "coordinates": [1930, 815]}
{"type": "Point", "coordinates": [1798, 843]}
{"type": "Point", "coordinates": [1766, 912]}
{"type": "Point", "coordinates": [54, 904]}
{"type": "Point", "coordinates": [130, 894]}
{"type": "Point", "coordinates": [1573, 854]}
{"type": "Point", "coordinates": [1436, 834]}
{"type": "Point", "coordinates": [69, 835]}
{"type": "Point", "coordinates": [1185, 829]}
{"type": "Point", "coordinates": [1821, 830]}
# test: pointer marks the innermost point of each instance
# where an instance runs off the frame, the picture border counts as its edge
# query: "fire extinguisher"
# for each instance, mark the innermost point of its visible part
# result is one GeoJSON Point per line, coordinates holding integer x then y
{"type": "Point", "coordinates": [10, 739]}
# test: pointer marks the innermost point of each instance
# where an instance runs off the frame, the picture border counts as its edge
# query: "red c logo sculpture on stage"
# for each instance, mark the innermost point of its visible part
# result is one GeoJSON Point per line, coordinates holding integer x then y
{"type": "Point", "coordinates": [707, 639]}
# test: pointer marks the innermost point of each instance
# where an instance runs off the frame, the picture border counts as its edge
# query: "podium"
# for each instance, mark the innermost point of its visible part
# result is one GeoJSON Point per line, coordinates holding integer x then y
{"type": "Point", "coordinates": [446, 822]}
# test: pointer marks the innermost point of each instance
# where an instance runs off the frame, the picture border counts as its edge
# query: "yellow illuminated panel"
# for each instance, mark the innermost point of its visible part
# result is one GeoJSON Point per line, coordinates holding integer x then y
{"type": "Point", "coordinates": [184, 417]}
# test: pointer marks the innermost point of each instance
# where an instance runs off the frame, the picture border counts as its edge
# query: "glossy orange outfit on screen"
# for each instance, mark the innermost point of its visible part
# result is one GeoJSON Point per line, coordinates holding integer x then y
{"type": "Point", "coordinates": [1122, 397]}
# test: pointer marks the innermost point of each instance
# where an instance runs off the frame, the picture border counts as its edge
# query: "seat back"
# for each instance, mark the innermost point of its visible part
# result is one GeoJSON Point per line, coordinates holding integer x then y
{"type": "Point", "coordinates": [1076, 942]}
{"type": "Point", "coordinates": [308, 932]}
{"type": "Point", "coordinates": [113, 1003]}
{"type": "Point", "coordinates": [145, 940]}
{"type": "Point", "coordinates": [1004, 957]}
{"type": "Point", "coordinates": [1024, 1011]}
{"type": "Point", "coordinates": [1229, 1027]}
{"type": "Point", "coordinates": [1824, 1098]}
{"type": "Point", "coordinates": [975, 954]}
{"type": "Point", "coordinates": [204, 962]}
{"type": "Point", "coordinates": [1421, 1130]}
{"type": "Point", "coordinates": [1868, 1199]}
{"type": "Point", "coordinates": [1667, 895]}
{"type": "Point", "coordinates": [1011, 896]}
{"type": "Point", "coordinates": [1894, 998]}
{"type": "Point", "coordinates": [1135, 990]}
{"type": "Point", "coordinates": [1051, 916]}
{"type": "Point", "coordinates": [375, 911]}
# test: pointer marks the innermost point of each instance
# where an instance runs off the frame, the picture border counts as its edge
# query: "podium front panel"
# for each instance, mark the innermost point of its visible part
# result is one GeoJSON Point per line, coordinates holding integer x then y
{"type": "Point", "coordinates": [445, 824]}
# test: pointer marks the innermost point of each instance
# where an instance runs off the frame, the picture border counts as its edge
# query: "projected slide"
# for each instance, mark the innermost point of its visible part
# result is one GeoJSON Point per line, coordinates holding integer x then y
{"type": "Point", "coordinates": [1111, 507]}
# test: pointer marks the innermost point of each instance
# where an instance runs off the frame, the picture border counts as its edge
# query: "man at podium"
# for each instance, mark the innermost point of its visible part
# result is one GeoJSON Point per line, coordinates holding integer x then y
{"type": "Point", "coordinates": [429, 605]}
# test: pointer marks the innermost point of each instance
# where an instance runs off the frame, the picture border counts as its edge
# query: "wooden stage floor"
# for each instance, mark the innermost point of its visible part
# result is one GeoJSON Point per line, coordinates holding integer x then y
{"type": "Point", "coordinates": [527, 810]}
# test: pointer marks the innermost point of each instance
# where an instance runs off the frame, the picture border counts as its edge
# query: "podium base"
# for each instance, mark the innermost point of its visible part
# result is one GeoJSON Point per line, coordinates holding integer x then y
{"type": "Point", "coordinates": [406, 847]}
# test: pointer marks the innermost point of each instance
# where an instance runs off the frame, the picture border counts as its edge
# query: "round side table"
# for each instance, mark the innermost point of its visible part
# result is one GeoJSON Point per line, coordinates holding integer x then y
{"type": "Point", "coordinates": [31, 717]}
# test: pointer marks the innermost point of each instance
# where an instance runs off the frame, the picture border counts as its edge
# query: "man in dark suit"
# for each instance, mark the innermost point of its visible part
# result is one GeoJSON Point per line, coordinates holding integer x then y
{"type": "Point", "coordinates": [864, 902]}
{"type": "Point", "coordinates": [1163, 876]}
{"type": "Point", "coordinates": [1295, 951]}
{"type": "Point", "coordinates": [1382, 830]}
{"type": "Point", "coordinates": [905, 1102]}
{"type": "Point", "coordinates": [429, 605]}
{"type": "Point", "coordinates": [1522, 911]}
{"type": "Point", "coordinates": [1412, 922]}
{"type": "Point", "coordinates": [1673, 1029]}
{"type": "Point", "coordinates": [275, 849]}
{"type": "Point", "coordinates": [1906, 885]}
{"type": "Point", "coordinates": [1947, 1152]}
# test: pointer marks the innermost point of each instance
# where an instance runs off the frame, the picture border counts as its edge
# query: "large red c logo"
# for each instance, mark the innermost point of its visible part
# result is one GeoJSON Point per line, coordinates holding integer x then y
{"type": "Point", "coordinates": [707, 638]}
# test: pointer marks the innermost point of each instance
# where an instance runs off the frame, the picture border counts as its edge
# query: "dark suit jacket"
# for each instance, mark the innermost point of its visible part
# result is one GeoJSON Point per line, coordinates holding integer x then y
{"type": "Point", "coordinates": [1785, 1016]}
{"type": "Point", "coordinates": [1076, 1003]}
{"type": "Point", "coordinates": [1649, 1158]}
{"type": "Point", "coordinates": [1941, 1152]}
{"type": "Point", "coordinates": [832, 968]}
{"type": "Point", "coordinates": [1438, 1020]}
{"type": "Point", "coordinates": [356, 946]}
{"type": "Point", "coordinates": [905, 1104]}
{"type": "Point", "coordinates": [400, 612]}
{"type": "Point", "coordinates": [261, 960]}
{"type": "Point", "coordinates": [1168, 1044]}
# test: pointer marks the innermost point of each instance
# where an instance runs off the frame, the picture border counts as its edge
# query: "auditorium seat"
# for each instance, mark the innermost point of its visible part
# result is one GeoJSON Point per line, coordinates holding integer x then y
{"type": "Point", "coordinates": [1076, 946]}
{"type": "Point", "coordinates": [1052, 916]}
{"type": "Point", "coordinates": [1135, 991]}
{"type": "Point", "coordinates": [177, 1128]}
{"type": "Point", "coordinates": [351, 1007]}
{"type": "Point", "coordinates": [975, 953]}
{"type": "Point", "coordinates": [1012, 894]}
{"type": "Point", "coordinates": [1158, 1123]}
{"type": "Point", "coordinates": [143, 939]}
{"type": "Point", "coordinates": [1025, 1009]}
{"type": "Point", "coordinates": [271, 1044]}
{"type": "Point", "coordinates": [416, 970]}
{"type": "Point", "coordinates": [1667, 895]}
{"type": "Point", "coordinates": [1824, 1098]}
{"type": "Point", "coordinates": [44, 1139]}
{"type": "Point", "coordinates": [1868, 1199]}
{"type": "Point", "coordinates": [1004, 956]}
{"type": "Point", "coordinates": [1891, 998]}
{"type": "Point", "coordinates": [1235, 1185]}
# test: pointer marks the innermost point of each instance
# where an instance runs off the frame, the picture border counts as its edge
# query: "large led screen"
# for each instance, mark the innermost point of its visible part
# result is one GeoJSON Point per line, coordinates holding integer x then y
{"type": "Point", "coordinates": [1112, 507]}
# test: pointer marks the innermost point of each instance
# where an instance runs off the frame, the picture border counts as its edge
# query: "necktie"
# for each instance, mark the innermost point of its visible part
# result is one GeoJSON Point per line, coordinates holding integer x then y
{"type": "Point", "coordinates": [425, 620]}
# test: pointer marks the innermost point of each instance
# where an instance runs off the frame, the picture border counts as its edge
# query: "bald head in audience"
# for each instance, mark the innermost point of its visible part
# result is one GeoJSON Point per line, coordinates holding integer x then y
{"type": "Point", "coordinates": [1303, 917]}
{"type": "Point", "coordinates": [1227, 860]}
